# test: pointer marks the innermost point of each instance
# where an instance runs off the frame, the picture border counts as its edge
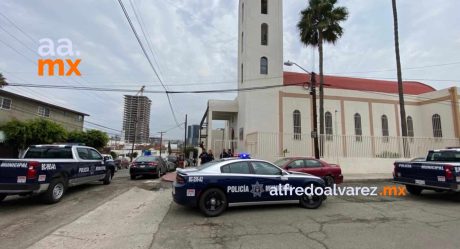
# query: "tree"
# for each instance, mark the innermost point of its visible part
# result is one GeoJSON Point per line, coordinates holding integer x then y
{"type": "Point", "coordinates": [21, 134]}
{"type": "Point", "coordinates": [93, 138]}
{"type": "Point", "coordinates": [402, 109]}
{"type": "Point", "coordinates": [320, 23]}
{"type": "Point", "coordinates": [2, 81]}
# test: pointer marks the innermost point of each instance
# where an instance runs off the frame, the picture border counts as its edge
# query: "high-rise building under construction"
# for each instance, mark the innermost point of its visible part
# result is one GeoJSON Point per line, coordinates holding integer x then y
{"type": "Point", "coordinates": [136, 119]}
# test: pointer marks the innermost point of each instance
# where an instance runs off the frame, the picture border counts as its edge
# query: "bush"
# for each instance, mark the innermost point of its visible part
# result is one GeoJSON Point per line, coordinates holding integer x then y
{"type": "Point", "coordinates": [388, 154]}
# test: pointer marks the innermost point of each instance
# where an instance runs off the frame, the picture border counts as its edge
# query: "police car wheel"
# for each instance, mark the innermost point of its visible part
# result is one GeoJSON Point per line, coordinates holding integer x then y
{"type": "Point", "coordinates": [311, 201]}
{"type": "Point", "coordinates": [108, 177]}
{"type": "Point", "coordinates": [2, 197]}
{"type": "Point", "coordinates": [213, 202]}
{"type": "Point", "coordinates": [55, 191]}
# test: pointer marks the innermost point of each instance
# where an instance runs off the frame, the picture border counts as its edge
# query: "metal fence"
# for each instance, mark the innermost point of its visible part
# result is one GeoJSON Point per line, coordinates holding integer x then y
{"type": "Point", "coordinates": [272, 145]}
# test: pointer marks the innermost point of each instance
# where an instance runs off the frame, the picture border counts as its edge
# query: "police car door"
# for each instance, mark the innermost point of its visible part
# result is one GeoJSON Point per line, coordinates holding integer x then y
{"type": "Point", "coordinates": [236, 178]}
{"type": "Point", "coordinates": [266, 177]}
{"type": "Point", "coordinates": [98, 167]}
{"type": "Point", "coordinates": [84, 166]}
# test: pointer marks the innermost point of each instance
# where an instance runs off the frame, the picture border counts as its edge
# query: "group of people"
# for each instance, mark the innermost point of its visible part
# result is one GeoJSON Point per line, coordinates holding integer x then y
{"type": "Point", "coordinates": [209, 156]}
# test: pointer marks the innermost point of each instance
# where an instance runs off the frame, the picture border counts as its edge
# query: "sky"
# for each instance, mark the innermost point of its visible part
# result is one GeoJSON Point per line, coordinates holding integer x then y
{"type": "Point", "coordinates": [193, 46]}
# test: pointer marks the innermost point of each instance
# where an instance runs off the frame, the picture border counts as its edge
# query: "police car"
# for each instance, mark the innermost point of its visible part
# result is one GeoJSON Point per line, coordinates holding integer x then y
{"type": "Point", "coordinates": [50, 169]}
{"type": "Point", "coordinates": [216, 185]}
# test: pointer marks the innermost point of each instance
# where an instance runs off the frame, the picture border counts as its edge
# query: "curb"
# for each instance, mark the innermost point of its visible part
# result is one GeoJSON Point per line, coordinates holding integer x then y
{"type": "Point", "coordinates": [367, 180]}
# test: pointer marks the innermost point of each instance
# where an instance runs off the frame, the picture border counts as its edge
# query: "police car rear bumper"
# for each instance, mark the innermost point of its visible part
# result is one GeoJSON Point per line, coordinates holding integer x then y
{"type": "Point", "coordinates": [179, 194]}
{"type": "Point", "coordinates": [11, 188]}
{"type": "Point", "coordinates": [427, 184]}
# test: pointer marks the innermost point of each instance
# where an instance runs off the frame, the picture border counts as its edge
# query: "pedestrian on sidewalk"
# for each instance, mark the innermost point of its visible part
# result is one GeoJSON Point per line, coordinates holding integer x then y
{"type": "Point", "coordinates": [204, 157]}
{"type": "Point", "coordinates": [210, 156]}
{"type": "Point", "coordinates": [223, 154]}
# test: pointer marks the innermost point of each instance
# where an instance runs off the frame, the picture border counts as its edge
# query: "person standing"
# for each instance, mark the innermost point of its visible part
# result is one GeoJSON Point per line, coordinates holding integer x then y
{"type": "Point", "coordinates": [210, 156]}
{"type": "Point", "coordinates": [204, 157]}
{"type": "Point", "coordinates": [223, 154]}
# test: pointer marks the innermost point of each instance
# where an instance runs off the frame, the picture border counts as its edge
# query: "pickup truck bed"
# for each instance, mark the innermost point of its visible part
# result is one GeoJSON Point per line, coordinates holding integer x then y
{"type": "Point", "coordinates": [440, 172]}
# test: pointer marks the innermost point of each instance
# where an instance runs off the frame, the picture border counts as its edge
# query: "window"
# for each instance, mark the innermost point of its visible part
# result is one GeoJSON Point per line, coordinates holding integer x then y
{"type": "Point", "coordinates": [358, 128]}
{"type": "Point", "coordinates": [80, 118]}
{"type": "Point", "coordinates": [263, 65]}
{"type": "Point", "coordinates": [49, 153]}
{"type": "Point", "coordinates": [437, 128]}
{"type": "Point", "coordinates": [264, 6]}
{"type": "Point", "coordinates": [5, 103]}
{"type": "Point", "coordinates": [242, 13]}
{"type": "Point", "coordinates": [263, 168]}
{"type": "Point", "coordinates": [83, 153]}
{"type": "Point", "coordinates": [236, 168]}
{"type": "Point", "coordinates": [241, 133]}
{"type": "Point", "coordinates": [94, 155]}
{"type": "Point", "coordinates": [328, 124]}
{"type": "Point", "coordinates": [410, 128]}
{"type": "Point", "coordinates": [385, 132]}
{"type": "Point", "coordinates": [242, 42]}
{"type": "Point", "coordinates": [264, 34]}
{"type": "Point", "coordinates": [44, 111]}
{"type": "Point", "coordinates": [297, 125]}
{"type": "Point", "coordinates": [313, 163]}
{"type": "Point", "coordinates": [297, 164]}
{"type": "Point", "coordinates": [242, 73]}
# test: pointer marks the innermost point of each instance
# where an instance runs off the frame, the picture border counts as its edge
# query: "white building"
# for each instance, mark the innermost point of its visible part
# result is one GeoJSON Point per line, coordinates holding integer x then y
{"type": "Point", "coordinates": [361, 115]}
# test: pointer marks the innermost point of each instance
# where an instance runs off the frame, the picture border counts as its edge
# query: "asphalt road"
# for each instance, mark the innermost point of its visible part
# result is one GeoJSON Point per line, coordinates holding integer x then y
{"type": "Point", "coordinates": [428, 221]}
{"type": "Point", "coordinates": [25, 220]}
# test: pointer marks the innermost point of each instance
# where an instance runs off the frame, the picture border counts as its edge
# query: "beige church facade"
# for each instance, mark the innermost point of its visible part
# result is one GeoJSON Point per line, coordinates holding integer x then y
{"type": "Point", "coordinates": [362, 121]}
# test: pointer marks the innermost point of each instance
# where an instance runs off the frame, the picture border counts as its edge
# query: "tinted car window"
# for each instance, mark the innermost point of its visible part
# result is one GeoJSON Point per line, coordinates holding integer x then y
{"type": "Point", "coordinates": [297, 164]}
{"type": "Point", "coordinates": [263, 168]}
{"type": "Point", "coordinates": [147, 159]}
{"type": "Point", "coordinates": [94, 155]}
{"type": "Point", "coordinates": [313, 163]}
{"type": "Point", "coordinates": [83, 153]}
{"type": "Point", "coordinates": [49, 153]}
{"type": "Point", "coordinates": [236, 168]}
{"type": "Point", "coordinates": [444, 156]}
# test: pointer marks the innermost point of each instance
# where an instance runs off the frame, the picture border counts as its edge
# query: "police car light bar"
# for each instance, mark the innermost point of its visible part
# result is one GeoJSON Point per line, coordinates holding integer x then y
{"type": "Point", "coordinates": [244, 156]}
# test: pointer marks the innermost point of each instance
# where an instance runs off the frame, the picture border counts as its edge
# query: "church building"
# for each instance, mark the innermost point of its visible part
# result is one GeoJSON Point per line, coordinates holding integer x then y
{"type": "Point", "coordinates": [362, 122]}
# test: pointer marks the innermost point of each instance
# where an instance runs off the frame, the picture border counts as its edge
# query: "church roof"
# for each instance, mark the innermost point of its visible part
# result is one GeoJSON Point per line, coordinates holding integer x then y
{"type": "Point", "coordinates": [359, 84]}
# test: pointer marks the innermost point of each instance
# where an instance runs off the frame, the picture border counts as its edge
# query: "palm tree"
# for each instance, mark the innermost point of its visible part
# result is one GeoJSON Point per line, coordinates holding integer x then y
{"type": "Point", "coordinates": [402, 109]}
{"type": "Point", "coordinates": [319, 23]}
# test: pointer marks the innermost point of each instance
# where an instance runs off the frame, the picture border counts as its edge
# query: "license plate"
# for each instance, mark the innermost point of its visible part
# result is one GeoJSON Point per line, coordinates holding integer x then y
{"type": "Point", "coordinates": [21, 179]}
{"type": "Point", "coordinates": [142, 166]}
{"type": "Point", "coordinates": [441, 178]}
{"type": "Point", "coordinates": [420, 182]}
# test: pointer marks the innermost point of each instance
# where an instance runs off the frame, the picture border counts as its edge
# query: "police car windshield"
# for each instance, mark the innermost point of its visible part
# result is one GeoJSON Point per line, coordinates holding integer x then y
{"type": "Point", "coordinates": [147, 159]}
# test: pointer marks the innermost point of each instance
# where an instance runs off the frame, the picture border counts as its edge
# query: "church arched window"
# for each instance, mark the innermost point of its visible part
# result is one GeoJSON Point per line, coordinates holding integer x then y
{"type": "Point", "coordinates": [328, 125]}
{"type": "Point", "coordinates": [264, 34]}
{"type": "Point", "coordinates": [264, 6]}
{"type": "Point", "coordinates": [263, 65]}
{"type": "Point", "coordinates": [437, 129]}
{"type": "Point", "coordinates": [297, 125]}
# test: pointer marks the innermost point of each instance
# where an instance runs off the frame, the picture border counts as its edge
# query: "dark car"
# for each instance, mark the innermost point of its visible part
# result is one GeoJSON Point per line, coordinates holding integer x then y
{"type": "Point", "coordinates": [227, 182]}
{"type": "Point", "coordinates": [173, 159]}
{"type": "Point", "coordinates": [331, 173]}
{"type": "Point", "coordinates": [148, 166]}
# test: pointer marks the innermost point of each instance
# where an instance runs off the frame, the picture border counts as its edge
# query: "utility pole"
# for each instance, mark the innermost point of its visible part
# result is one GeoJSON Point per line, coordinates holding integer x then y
{"type": "Point", "coordinates": [314, 134]}
{"type": "Point", "coordinates": [161, 140]}
{"type": "Point", "coordinates": [185, 137]}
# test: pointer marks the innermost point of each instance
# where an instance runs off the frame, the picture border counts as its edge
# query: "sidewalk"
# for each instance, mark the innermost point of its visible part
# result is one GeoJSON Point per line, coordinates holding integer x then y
{"type": "Point", "coordinates": [169, 177]}
{"type": "Point", "coordinates": [128, 221]}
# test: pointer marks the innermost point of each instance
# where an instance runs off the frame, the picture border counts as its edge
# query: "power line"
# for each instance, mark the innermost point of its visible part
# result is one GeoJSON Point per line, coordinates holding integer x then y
{"type": "Point", "coordinates": [148, 58]}
{"type": "Point", "coordinates": [17, 27]}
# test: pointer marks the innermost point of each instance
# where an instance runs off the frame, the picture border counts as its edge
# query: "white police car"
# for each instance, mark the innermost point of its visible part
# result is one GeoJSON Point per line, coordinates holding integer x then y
{"type": "Point", "coordinates": [234, 182]}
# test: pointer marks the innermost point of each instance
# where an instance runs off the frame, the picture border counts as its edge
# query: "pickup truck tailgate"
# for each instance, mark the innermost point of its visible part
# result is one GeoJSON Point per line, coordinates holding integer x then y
{"type": "Point", "coordinates": [13, 171]}
{"type": "Point", "coordinates": [421, 171]}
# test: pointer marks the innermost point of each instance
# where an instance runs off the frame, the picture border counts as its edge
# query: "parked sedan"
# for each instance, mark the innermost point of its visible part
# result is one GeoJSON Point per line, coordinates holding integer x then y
{"type": "Point", "coordinates": [331, 173]}
{"type": "Point", "coordinates": [148, 165]}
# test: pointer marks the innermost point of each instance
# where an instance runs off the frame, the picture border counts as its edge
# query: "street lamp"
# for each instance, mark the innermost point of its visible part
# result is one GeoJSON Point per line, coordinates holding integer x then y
{"type": "Point", "coordinates": [312, 84]}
